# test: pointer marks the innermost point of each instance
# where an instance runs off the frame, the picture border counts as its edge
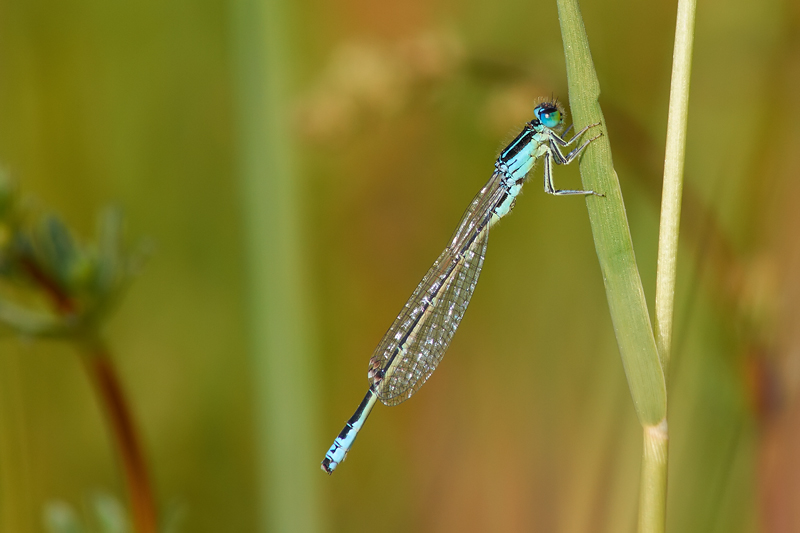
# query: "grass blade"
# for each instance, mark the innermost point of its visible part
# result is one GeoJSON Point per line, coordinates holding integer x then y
{"type": "Point", "coordinates": [610, 229]}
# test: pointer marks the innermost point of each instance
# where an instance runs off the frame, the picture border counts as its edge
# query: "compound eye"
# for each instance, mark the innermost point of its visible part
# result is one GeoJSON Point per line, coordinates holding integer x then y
{"type": "Point", "coordinates": [550, 117]}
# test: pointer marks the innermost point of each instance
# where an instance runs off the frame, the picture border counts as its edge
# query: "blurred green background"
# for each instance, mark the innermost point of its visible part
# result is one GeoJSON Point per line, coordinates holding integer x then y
{"type": "Point", "coordinates": [394, 112]}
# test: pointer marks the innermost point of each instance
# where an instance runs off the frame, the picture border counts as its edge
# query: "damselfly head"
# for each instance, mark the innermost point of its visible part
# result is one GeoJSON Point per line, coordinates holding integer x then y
{"type": "Point", "coordinates": [550, 114]}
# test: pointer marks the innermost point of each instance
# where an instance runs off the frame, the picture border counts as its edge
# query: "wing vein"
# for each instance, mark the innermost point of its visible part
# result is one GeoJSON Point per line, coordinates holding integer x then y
{"type": "Point", "coordinates": [416, 342]}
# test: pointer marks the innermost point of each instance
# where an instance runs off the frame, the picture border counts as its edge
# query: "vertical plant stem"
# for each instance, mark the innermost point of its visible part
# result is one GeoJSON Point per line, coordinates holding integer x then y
{"type": "Point", "coordinates": [653, 489]}
{"type": "Point", "coordinates": [643, 358]}
{"type": "Point", "coordinates": [652, 504]}
{"type": "Point", "coordinates": [104, 378]}
{"type": "Point", "coordinates": [280, 327]}
{"type": "Point", "coordinates": [673, 177]}
{"type": "Point", "coordinates": [101, 372]}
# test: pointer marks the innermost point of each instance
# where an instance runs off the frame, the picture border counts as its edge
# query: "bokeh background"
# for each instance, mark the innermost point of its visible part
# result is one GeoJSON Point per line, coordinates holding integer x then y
{"type": "Point", "coordinates": [393, 113]}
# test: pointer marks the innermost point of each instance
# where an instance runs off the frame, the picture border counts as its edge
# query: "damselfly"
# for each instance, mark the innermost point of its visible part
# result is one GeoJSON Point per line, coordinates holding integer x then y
{"type": "Point", "coordinates": [421, 333]}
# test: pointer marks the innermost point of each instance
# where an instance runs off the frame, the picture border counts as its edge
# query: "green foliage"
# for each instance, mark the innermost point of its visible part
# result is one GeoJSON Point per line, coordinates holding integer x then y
{"type": "Point", "coordinates": [52, 283]}
{"type": "Point", "coordinates": [612, 235]}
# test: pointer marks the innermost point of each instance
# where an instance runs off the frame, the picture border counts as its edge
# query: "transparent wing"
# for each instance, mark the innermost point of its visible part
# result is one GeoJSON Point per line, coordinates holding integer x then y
{"type": "Point", "coordinates": [419, 336]}
{"type": "Point", "coordinates": [425, 346]}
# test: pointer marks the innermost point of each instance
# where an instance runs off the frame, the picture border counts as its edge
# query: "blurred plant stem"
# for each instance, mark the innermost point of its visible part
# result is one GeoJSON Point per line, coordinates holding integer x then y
{"type": "Point", "coordinates": [643, 358]}
{"type": "Point", "coordinates": [52, 286]}
{"type": "Point", "coordinates": [280, 330]}
{"type": "Point", "coordinates": [100, 368]}
{"type": "Point", "coordinates": [98, 364]}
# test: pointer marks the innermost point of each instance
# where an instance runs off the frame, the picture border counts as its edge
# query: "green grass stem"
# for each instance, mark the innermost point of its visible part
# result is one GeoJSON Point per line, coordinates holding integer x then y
{"type": "Point", "coordinates": [652, 504]}
{"type": "Point", "coordinates": [281, 338]}
{"type": "Point", "coordinates": [653, 488]}
{"type": "Point", "coordinates": [640, 354]}
{"type": "Point", "coordinates": [645, 357]}
{"type": "Point", "coordinates": [673, 177]}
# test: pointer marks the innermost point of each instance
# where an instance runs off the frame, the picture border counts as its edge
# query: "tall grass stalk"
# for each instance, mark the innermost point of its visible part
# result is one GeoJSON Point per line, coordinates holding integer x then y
{"type": "Point", "coordinates": [644, 355]}
{"type": "Point", "coordinates": [279, 329]}
{"type": "Point", "coordinates": [673, 177]}
{"type": "Point", "coordinates": [653, 487]}
{"type": "Point", "coordinates": [652, 504]}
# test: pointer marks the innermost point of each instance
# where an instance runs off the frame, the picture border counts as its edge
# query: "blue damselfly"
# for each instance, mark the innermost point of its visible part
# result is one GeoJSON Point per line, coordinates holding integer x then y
{"type": "Point", "coordinates": [421, 333]}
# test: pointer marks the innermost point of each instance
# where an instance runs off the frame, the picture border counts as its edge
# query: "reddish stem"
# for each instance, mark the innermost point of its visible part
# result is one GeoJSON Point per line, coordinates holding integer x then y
{"type": "Point", "coordinates": [101, 371]}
